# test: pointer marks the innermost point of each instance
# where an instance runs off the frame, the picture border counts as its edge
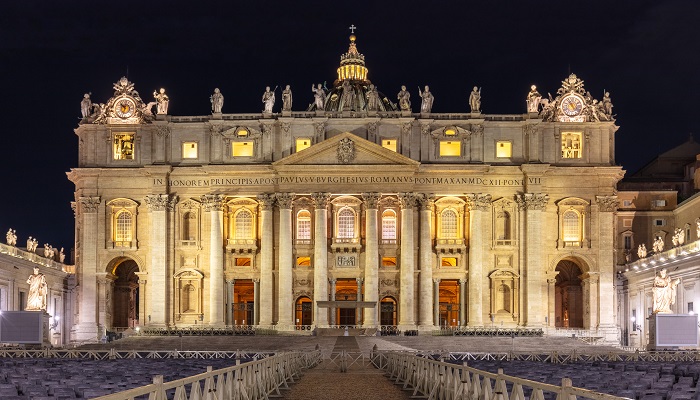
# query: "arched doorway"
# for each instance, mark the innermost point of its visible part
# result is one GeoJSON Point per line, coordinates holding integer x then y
{"type": "Point", "coordinates": [125, 298]}
{"type": "Point", "coordinates": [449, 303]}
{"type": "Point", "coordinates": [303, 311]}
{"type": "Point", "coordinates": [387, 315]}
{"type": "Point", "coordinates": [568, 295]}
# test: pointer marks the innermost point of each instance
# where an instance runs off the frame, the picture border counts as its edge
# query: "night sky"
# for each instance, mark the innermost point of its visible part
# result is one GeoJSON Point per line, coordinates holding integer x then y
{"type": "Point", "coordinates": [645, 53]}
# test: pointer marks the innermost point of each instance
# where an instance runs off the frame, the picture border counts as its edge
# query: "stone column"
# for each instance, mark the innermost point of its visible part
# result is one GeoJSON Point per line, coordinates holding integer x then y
{"type": "Point", "coordinates": [607, 206]}
{"type": "Point", "coordinates": [213, 204]}
{"type": "Point", "coordinates": [285, 305]}
{"type": "Point", "coordinates": [407, 303]}
{"type": "Point", "coordinates": [88, 328]}
{"type": "Point", "coordinates": [463, 301]}
{"type": "Point", "coordinates": [264, 303]}
{"type": "Point", "coordinates": [229, 304]}
{"type": "Point", "coordinates": [478, 206]}
{"type": "Point", "coordinates": [591, 293]}
{"type": "Point", "coordinates": [358, 310]}
{"type": "Point", "coordinates": [332, 310]}
{"type": "Point", "coordinates": [143, 279]}
{"type": "Point", "coordinates": [159, 291]}
{"type": "Point", "coordinates": [321, 257]}
{"type": "Point", "coordinates": [436, 301]}
{"type": "Point", "coordinates": [425, 297]}
{"type": "Point", "coordinates": [256, 303]}
{"type": "Point", "coordinates": [371, 201]}
{"type": "Point", "coordinates": [533, 205]}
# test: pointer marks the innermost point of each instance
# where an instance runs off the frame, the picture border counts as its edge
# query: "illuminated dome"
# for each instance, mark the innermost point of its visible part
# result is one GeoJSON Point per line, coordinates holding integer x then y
{"type": "Point", "coordinates": [352, 76]}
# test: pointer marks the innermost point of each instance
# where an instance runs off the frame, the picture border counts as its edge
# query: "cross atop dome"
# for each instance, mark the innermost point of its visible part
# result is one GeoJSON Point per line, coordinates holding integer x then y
{"type": "Point", "coordinates": [352, 63]}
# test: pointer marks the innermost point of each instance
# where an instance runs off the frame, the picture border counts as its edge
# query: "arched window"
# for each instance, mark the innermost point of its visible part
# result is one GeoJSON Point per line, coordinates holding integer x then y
{"type": "Point", "coordinates": [346, 224]}
{"type": "Point", "coordinates": [189, 225]}
{"type": "Point", "coordinates": [304, 225]}
{"type": "Point", "coordinates": [389, 225]}
{"type": "Point", "coordinates": [448, 226]}
{"type": "Point", "coordinates": [571, 226]}
{"type": "Point", "coordinates": [244, 225]}
{"type": "Point", "coordinates": [122, 229]}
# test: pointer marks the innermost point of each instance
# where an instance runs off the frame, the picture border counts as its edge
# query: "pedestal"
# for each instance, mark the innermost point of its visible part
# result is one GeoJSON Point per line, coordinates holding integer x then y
{"type": "Point", "coordinates": [320, 113]}
{"type": "Point", "coordinates": [671, 331]}
{"type": "Point", "coordinates": [286, 113]}
{"type": "Point", "coordinates": [216, 116]}
{"type": "Point", "coordinates": [405, 113]}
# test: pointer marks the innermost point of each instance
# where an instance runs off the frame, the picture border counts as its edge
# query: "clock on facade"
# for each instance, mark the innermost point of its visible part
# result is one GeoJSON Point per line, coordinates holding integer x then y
{"type": "Point", "coordinates": [572, 105]}
{"type": "Point", "coordinates": [124, 108]}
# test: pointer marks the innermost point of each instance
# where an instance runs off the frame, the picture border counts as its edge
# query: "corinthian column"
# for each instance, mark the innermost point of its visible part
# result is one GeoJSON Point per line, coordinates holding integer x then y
{"type": "Point", "coordinates": [158, 204]}
{"type": "Point", "coordinates": [213, 204]}
{"type": "Point", "coordinates": [320, 257]}
{"type": "Point", "coordinates": [265, 297]}
{"type": "Point", "coordinates": [607, 205]}
{"type": "Point", "coordinates": [286, 302]}
{"type": "Point", "coordinates": [407, 308]}
{"type": "Point", "coordinates": [371, 201]}
{"type": "Point", "coordinates": [533, 277]}
{"type": "Point", "coordinates": [425, 286]}
{"type": "Point", "coordinates": [87, 268]}
{"type": "Point", "coordinates": [478, 206]}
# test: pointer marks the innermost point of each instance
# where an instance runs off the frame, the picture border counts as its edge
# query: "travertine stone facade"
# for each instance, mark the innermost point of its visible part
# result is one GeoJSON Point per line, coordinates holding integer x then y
{"type": "Point", "coordinates": [388, 217]}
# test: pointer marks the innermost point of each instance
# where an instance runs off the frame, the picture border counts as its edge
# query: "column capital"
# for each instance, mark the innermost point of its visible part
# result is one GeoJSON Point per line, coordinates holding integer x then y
{"type": "Point", "coordinates": [426, 201]}
{"type": "Point", "coordinates": [230, 281]}
{"type": "Point", "coordinates": [607, 203]}
{"type": "Point", "coordinates": [407, 200]}
{"type": "Point", "coordinates": [332, 280]}
{"type": "Point", "coordinates": [371, 200]}
{"type": "Point", "coordinates": [256, 280]}
{"type": "Point", "coordinates": [463, 281]}
{"type": "Point", "coordinates": [266, 201]}
{"type": "Point", "coordinates": [284, 200]}
{"type": "Point", "coordinates": [360, 280]}
{"type": "Point", "coordinates": [74, 207]}
{"type": "Point", "coordinates": [532, 201]}
{"type": "Point", "coordinates": [478, 201]}
{"type": "Point", "coordinates": [89, 204]}
{"type": "Point", "coordinates": [212, 202]}
{"type": "Point", "coordinates": [321, 199]}
{"type": "Point", "coordinates": [436, 280]}
{"type": "Point", "coordinates": [161, 202]}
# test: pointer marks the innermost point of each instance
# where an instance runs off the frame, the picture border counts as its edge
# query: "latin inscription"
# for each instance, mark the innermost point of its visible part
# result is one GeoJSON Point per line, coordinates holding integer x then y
{"type": "Point", "coordinates": [320, 180]}
{"type": "Point", "coordinates": [345, 261]}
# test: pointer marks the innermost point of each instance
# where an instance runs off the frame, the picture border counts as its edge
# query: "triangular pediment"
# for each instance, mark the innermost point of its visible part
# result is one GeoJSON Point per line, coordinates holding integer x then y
{"type": "Point", "coordinates": [346, 149]}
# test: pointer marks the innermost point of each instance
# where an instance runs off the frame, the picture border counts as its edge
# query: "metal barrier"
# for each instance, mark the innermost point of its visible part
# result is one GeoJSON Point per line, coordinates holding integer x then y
{"type": "Point", "coordinates": [253, 380]}
{"type": "Point", "coordinates": [446, 381]}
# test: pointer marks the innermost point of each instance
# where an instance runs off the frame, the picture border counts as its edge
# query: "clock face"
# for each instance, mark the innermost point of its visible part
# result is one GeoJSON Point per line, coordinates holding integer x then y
{"type": "Point", "coordinates": [124, 108]}
{"type": "Point", "coordinates": [572, 105]}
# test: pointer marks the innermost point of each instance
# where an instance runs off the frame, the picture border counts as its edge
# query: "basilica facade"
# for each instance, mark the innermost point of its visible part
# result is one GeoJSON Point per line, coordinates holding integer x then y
{"type": "Point", "coordinates": [354, 212]}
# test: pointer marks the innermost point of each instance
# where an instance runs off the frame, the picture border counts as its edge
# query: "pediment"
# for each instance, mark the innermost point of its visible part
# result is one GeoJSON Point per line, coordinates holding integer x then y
{"type": "Point", "coordinates": [346, 149]}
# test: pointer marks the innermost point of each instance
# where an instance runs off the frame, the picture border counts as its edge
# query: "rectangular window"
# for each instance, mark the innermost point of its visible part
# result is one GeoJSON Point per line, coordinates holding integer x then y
{"type": "Point", "coordinates": [450, 149]}
{"type": "Point", "coordinates": [303, 229]}
{"type": "Point", "coordinates": [571, 145]}
{"type": "Point", "coordinates": [389, 144]}
{"type": "Point", "coordinates": [242, 262]}
{"type": "Point", "coordinates": [303, 143]}
{"type": "Point", "coordinates": [22, 301]}
{"type": "Point", "coordinates": [504, 149]}
{"type": "Point", "coordinates": [123, 147]}
{"type": "Point", "coordinates": [690, 307]}
{"type": "Point", "coordinates": [628, 242]}
{"type": "Point", "coordinates": [626, 203]}
{"type": "Point", "coordinates": [659, 203]}
{"type": "Point", "coordinates": [304, 261]}
{"type": "Point", "coordinates": [659, 222]}
{"type": "Point", "coordinates": [189, 150]}
{"type": "Point", "coordinates": [449, 262]}
{"type": "Point", "coordinates": [388, 261]}
{"type": "Point", "coordinates": [242, 149]}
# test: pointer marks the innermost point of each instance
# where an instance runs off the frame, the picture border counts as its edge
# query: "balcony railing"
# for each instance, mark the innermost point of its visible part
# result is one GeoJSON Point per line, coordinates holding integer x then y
{"type": "Point", "coordinates": [34, 258]}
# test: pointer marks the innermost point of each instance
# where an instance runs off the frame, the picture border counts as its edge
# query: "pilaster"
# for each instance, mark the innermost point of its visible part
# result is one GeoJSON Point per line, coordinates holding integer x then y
{"type": "Point", "coordinates": [320, 256]}
{"type": "Point", "coordinates": [213, 204]}
{"type": "Point", "coordinates": [607, 206]}
{"type": "Point", "coordinates": [425, 296]}
{"type": "Point", "coordinates": [87, 329]}
{"type": "Point", "coordinates": [159, 291]}
{"type": "Point", "coordinates": [265, 300]}
{"type": "Point", "coordinates": [407, 304]}
{"type": "Point", "coordinates": [286, 301]}
{"type": "Point", "coordinates": [371, 201]}
{"type": "Point", "coordinates": [478, 206]}
{"type": "Point", "coordinates": [533, 205]}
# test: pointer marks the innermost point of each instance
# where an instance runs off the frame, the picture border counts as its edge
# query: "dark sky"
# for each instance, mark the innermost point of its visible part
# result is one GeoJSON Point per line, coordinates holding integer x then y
{"type": "Point", "coordinates": [646, 53]}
